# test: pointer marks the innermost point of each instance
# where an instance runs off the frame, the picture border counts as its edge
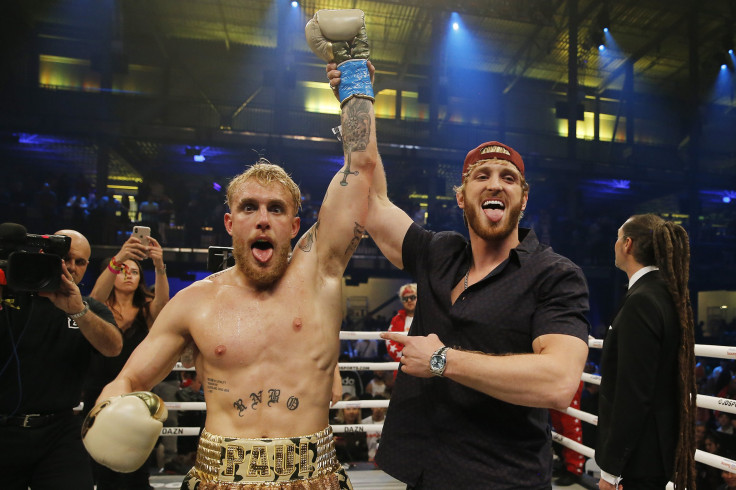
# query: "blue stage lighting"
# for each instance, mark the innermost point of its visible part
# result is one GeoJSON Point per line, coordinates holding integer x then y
{"type": "Point", "coordinates": [217, 186]}
{"type": "Point", "coordinates": [294, 4]}
{"type": "Point", "coordinates": [724, 66]}
{"type": "Point", "coordinates": [455, 26]}
{"type": "Point", "coordinates": [605, 29]}
{"type": "Point", "coordinates": [726, 199]}
{"type": "Point", "coordinates": [601, 47]}
{"type": "Point", "coordinates": [730, 51]}
{"type": "Point", "coordinates": [199, 158]}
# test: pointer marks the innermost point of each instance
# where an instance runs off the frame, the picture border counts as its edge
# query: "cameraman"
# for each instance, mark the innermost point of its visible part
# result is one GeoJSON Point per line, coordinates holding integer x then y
{"type": "Point", "coordinates": [46, 342]}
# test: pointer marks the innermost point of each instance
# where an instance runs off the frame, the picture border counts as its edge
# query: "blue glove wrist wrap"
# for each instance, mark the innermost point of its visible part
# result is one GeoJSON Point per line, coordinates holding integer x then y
{"type": "Point", "coordinates": [355, 80]}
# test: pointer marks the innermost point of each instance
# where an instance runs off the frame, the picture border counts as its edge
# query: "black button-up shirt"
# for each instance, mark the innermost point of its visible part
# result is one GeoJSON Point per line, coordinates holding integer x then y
{"type": "Point", "coordinates": [447, 435]}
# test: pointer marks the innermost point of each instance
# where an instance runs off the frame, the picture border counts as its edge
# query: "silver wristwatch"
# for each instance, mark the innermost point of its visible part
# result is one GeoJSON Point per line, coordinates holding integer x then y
{"type": "Point", "coordinates": [438, 361]}
{"type": "Point", "coordinates": [84, 311]}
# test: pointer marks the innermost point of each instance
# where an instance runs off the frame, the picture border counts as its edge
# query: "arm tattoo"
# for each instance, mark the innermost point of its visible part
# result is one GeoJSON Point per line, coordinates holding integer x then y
{"type": "Point", "coordinates": [358, 230]}
{"type": "Point", "coordinates": [356, 125]}
{"type": "Point", "coordinates": [356, 132]}
{"type": "Point", "coordinates": [305, 244]}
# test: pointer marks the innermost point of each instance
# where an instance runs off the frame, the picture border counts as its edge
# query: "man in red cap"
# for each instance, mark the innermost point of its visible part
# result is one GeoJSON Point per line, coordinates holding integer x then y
{"type": "Point", "coordinates": [499, 335]}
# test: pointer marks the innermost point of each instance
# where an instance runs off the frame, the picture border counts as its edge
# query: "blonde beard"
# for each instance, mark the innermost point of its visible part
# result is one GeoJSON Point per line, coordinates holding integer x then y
{"type": "Point", "coordinates": [502, 229]}
{"type": "Point", "coordinates": [261, 277]}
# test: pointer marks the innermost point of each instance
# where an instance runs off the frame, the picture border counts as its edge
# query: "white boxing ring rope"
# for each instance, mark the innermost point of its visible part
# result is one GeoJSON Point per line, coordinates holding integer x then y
{"type": "Point", "coordinates": [703, 401]}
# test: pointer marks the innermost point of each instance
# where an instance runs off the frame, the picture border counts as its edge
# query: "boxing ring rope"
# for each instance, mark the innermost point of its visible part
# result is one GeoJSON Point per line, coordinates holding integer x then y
{"type": "Point", "coordinates": [703, 401]}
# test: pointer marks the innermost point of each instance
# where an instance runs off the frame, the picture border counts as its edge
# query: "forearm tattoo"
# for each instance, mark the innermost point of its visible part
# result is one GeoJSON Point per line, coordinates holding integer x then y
{"type": "Point", "coordinates": [358, 231]}
{"type": "Point", "coordinates": [257, 399]}
{"type": "Point", "coordinates": [356, 124]}
{"type": "Point", "coordinates": [305, 244]}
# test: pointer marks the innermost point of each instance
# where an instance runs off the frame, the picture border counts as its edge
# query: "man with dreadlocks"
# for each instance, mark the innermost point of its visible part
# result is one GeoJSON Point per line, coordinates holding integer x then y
{"type": "Point", "coordinates": [646, 424]}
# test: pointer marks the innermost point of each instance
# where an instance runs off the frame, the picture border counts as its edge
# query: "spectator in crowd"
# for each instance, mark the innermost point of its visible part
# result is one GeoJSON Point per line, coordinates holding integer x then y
{"type": "Point", "coordinates": [571, 428]}
{"type": "Point", "coordinates": [700, 431]}
{"type": "Point", "coordinates": [365, 349]}
{"type": "Point", "coordinates": [708, 477]}
{"type": "Point", "coordinates": [377, 385]}
{"type": "Point", "coordinates": [351, 445]}
{"type": "Point", "coordinates": [191, 391]}
{"type": "Point", "coordinates": [377, 416]}
{"type": "Point", "coordinates": [729, 481]}
{"type": "Point", "coordinates": [122, 287]}
{"type": "Point", "coordinates": [401, 322]}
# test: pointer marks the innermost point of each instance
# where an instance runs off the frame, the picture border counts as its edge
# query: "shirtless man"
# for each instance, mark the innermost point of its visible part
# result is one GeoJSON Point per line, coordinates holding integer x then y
{"type": "Point", "coordinates": [265, 330]}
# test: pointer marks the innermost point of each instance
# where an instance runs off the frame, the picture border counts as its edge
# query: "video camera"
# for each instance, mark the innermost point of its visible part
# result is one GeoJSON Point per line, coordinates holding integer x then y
{"type": "Point", "coordinates": [28, 262]}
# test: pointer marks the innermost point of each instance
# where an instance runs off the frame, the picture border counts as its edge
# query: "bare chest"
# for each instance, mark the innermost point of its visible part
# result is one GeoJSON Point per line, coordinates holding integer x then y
{"type": "Point", "coordinates": [237, 331]}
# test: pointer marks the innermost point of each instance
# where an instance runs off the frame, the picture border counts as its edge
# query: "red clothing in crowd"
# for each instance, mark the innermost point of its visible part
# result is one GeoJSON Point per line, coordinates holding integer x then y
{"type": "Point", "coordinates": [398, 323]}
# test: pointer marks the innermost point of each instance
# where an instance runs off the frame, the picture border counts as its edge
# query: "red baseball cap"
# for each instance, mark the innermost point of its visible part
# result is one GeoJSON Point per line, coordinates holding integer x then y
{"type": "Point", "coordinates": [490, 150]}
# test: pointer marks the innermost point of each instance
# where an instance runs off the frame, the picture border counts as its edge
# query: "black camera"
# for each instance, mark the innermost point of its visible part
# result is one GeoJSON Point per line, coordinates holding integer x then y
{"type": "Point", "coordinates": [30, 262]}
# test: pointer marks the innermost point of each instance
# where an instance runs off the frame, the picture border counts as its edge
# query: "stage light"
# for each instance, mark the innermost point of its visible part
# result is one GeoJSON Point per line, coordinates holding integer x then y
{"type": "Point", "coordinates": [196, 153]}
{"type": "Point", "coordinates": [294, 4]}
{"type": "Point", "coordinates": [455, 26]}
{"type": "Point", "coordinates": [726, 199]}
{"type": "Point", "coordinates": [216, 186]}
{"type": "Point", "coordinates": [599, 30]}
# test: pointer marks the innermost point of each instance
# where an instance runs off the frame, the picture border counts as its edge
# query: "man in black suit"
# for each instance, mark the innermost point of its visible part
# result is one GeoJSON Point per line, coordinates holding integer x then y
{"type": "Point", "coordinates": [646, 421]}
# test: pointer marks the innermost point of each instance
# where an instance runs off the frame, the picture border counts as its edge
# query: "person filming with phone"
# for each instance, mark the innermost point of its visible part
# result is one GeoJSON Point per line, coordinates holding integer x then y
{"type": "Point", "coordinates": [122, 287]}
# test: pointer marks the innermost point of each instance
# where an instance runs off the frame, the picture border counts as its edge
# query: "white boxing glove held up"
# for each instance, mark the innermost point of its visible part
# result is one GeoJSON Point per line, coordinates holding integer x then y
{"type": "Point", "coordinates": [328, 26]}
{"type": "Point", "coordinates": [120, 432]}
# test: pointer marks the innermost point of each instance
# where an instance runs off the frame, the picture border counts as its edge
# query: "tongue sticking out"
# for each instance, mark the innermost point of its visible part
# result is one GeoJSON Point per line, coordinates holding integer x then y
{"type": "Point", "coordinates": [494, 215]}
{"type": "Point", "coordinates": [262, 255]}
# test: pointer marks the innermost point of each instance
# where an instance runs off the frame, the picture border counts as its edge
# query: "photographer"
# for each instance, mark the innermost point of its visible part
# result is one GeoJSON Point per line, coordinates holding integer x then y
{"type": "Point", "coordinates": [46, 342]}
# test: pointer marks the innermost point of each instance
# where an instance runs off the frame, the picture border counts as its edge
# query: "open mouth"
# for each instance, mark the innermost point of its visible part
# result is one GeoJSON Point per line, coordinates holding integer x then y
{"type": "Point", "coordinates": [493, 209]}
{"type": "Point", "coordinates": [262, 250]}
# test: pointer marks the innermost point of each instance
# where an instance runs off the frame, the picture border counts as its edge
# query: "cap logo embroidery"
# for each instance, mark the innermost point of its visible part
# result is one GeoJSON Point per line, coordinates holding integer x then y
{"type": "Point", "coordinates": [495, 149]}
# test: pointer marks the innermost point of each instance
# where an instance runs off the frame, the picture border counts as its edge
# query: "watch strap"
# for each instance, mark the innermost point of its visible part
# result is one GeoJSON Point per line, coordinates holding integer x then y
{"type": "Point", "coordinates": [81, 313]}
{"type": "Point", "coordinates": [441, 352]}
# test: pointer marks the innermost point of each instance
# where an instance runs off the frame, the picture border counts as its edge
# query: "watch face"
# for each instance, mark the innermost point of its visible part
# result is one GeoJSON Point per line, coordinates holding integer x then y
{"type": "Point", "coordinates": [437, 363]}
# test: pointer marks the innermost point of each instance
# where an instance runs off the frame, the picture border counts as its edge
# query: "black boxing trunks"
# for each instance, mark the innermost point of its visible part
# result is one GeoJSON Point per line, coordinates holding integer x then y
{"type": "Point", "coordinates": [294, 463]}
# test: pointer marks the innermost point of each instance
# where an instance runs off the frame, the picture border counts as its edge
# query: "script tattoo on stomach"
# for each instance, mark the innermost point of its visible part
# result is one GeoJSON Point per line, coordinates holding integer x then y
{"type": "Point", "coordinates": [258, 400]}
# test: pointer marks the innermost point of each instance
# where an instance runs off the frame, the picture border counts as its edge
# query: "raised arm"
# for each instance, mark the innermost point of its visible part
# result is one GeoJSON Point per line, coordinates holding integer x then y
{"type": "Point", "coordinates": [386, 223]}
{"type": "Point", "coordinates": [339, 35]}
{"type": "Point", "coordinates": [161, 289]}
{"type": "Point", "coordinates": [131, 249]}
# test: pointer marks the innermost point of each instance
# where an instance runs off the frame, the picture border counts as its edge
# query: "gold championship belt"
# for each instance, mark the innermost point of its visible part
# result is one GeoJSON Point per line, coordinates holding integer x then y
{"type": "Point", "coordinates": [283, 463]}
